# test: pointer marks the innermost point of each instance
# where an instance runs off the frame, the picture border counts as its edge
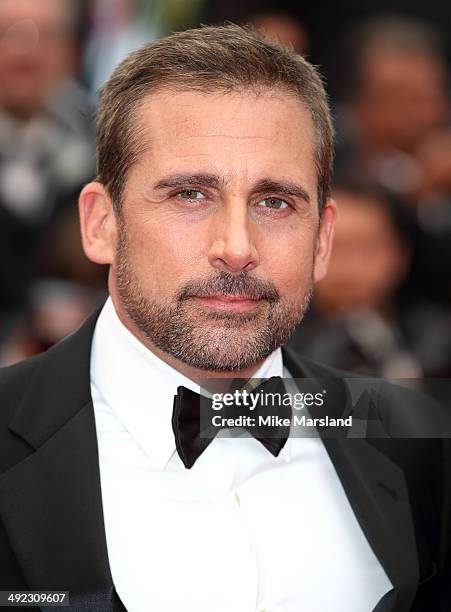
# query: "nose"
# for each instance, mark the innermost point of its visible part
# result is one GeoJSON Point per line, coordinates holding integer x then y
{"type": "Point", "coordinates": [232, 247]}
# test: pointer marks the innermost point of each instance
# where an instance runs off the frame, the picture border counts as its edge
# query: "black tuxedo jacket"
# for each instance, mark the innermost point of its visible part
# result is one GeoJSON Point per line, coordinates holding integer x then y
{"type": "Point", "coordinates": [52, 533]}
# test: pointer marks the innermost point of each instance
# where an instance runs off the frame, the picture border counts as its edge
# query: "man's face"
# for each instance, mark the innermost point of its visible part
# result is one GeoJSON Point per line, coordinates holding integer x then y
{"type": "Point", "coordinates": [215, 244]}
{"type": "Point", "coordinates": [404, 97]}
{"type": "Point", "coordinates": [35, 52]}
{"type": "Point", "coordinates": [369, 259]}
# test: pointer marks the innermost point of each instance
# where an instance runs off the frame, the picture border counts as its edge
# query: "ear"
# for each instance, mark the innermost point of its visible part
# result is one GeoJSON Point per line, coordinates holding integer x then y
{"type": "Point", "coordinates": [324, 240]}
{"type": "Point", "coordinates": [97, 223]}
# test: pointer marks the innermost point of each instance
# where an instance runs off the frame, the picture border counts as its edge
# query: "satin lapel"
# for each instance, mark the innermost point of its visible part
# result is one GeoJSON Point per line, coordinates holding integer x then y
{"type": "Point", "coordinates": [50, 503]}
{"type": "Point", "coordinates": [376, 489]}
{"type": "Point", "coordinates": [377, 492]}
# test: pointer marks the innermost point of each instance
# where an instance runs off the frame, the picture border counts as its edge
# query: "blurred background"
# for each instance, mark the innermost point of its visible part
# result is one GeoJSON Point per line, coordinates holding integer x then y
{"type": "Point", "coordinates": [385, 307]}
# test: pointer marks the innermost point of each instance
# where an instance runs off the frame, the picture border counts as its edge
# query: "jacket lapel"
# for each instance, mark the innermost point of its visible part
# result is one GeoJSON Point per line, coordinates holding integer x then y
{"type": "Point", "coordinates": [376, 489]}
{"type": "Point", "coordinates": [50, 503]}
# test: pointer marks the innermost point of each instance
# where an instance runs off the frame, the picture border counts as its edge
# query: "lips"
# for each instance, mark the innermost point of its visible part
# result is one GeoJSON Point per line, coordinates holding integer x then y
{"type": "Point", "coordinates": [231, 303]}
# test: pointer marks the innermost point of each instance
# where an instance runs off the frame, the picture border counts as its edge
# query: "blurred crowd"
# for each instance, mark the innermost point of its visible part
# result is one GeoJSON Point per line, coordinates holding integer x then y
{"type": "Point", "coordinates": [385, 306]}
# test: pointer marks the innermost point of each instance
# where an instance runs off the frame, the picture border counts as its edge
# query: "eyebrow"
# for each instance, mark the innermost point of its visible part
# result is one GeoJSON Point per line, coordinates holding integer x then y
{"type": "Point", "coordinates": [282, 187]}
{"type": "Point", "coordinates": [182, 180]}
{"type": "Point", "coordinates": [210, 180]}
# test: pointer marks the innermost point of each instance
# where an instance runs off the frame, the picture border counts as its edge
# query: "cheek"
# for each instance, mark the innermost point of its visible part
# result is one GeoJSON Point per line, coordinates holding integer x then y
{"type": "Point", "coordinates": [290, 267]}
{"type": "Point", "coordinates": [163, 256]}
{"type": "Point", "coordinates": [384, 269]}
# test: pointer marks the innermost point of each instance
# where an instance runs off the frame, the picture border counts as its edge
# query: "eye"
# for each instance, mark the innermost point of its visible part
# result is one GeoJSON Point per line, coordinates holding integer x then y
{"type": "Point", "coordinates": [191, 194]}
{"type": "Point", "coordinates": [274, 203]}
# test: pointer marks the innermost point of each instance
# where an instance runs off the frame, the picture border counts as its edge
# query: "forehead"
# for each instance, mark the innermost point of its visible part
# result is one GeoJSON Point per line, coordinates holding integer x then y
{"type": "Point", "coordinates": [36, 10]}
{"type": "Point", "coordinates": [249, 128]}
{"type": "Point", "coordinates": [361, 214]}
{"type": "Point", "coordinates": [396, 68]}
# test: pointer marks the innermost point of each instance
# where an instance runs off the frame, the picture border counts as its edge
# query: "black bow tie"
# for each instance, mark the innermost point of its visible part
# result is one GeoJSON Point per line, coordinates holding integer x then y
{"type": "Point", "coordinates": [193, 414]}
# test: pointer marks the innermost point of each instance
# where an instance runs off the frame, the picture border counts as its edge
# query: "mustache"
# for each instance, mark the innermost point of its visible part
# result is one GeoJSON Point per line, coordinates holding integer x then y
{"type": "Point", "coordinates": [224, 283]}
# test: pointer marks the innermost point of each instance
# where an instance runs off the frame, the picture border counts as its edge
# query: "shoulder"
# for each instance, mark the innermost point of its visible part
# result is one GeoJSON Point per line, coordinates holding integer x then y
{"type": "Point", "coordinates": [406, 408]}
{"type": "Point", "coordinates": [405, 423]}
{"type": "Point", "coordinates": [41, 393]}
{"type": "Point", "coordinates": [301, 366]}
{"type": "Point", "coordinates": [14, 380]}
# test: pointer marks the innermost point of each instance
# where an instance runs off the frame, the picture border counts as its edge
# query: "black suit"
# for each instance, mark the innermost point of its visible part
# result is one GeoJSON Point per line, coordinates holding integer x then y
{"type": "Point", "coordinates": [52, 533]}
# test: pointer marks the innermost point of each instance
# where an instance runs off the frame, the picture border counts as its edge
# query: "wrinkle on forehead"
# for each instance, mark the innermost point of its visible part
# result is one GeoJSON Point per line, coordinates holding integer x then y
{"type": "Point", "coordinates": [183, 109]}
{"type": "Point", "coordinates": [253, 137]}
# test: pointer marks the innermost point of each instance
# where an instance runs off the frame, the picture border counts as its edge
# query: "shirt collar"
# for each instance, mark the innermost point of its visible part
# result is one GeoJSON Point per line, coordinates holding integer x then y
{"type": "Point", "coordinates": [139, 388]}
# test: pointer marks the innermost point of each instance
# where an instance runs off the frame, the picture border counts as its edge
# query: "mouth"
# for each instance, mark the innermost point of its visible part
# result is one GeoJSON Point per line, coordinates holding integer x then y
{"type": "Point", "coordinates": [229, 303]}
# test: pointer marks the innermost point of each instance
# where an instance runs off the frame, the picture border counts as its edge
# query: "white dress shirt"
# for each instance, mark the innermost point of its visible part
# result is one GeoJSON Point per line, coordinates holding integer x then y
{"type": "Point", "coordinates": [242, 530]}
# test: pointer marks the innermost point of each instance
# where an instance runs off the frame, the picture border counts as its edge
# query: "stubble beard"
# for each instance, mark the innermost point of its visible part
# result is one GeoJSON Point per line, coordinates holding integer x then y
{"type": "Point", "coordinates": [203, 338]}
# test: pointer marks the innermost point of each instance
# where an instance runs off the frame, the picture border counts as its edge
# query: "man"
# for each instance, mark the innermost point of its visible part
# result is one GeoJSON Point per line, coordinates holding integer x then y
{"type": "Point", "coordinates": [395, 96]}
{"type": "Point", "coordinates": [212, 210]}
{"type": "Point", "coordinates": [46, 141]}
{"type": "Point", "coordinates": [393, 125]}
